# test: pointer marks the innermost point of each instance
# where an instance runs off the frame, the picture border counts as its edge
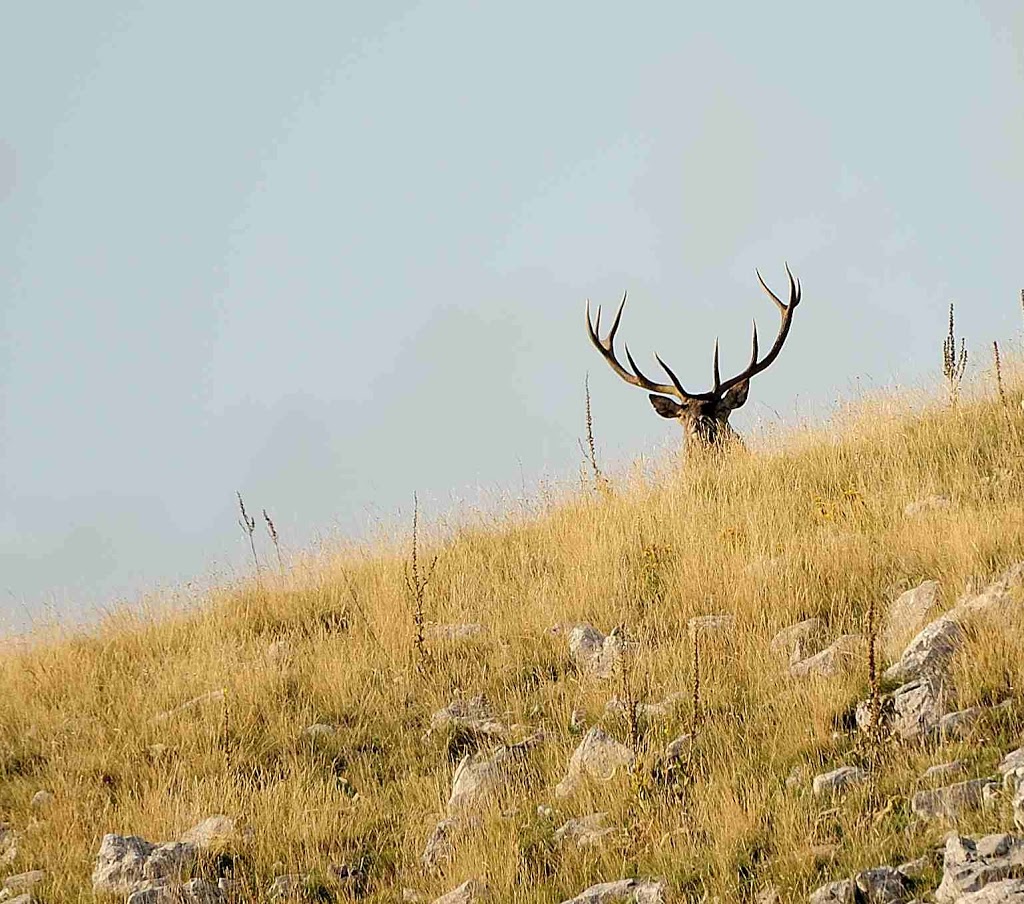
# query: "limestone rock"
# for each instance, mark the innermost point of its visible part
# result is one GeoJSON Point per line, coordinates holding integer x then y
{"type": "Point", "coordinates": [994, 599]}
{"type": "Point", "coordinates": [1012, 769]}
{"type": "Point", "coordinates": [598, 756]}
{"type": "Point", "coordinates": [586, 831]}
{"type": "Point", "coordinates": [930, 652]}
{"type": "Point", "coordinates": [476, 778]}
{"type": "Point", "coordinates": [970, 865]}
{"type": "Point", "coordinates": [290, 885]}
{"type": "Point", "coordinates": [42, 800]}
{"type": "Point", "coordinates": [594, 653]}
{"type": "Point", "coordinates": [798, 641]}
{"type": "Point", "coordinates": [883, 885]}
{"type": "Point", "coordinates": [623, 891]}
{"type": "Point", "coordinates": [195, 891]}
{"type": "Point", "coordinates": [473, 715]}
{"type": "Point", "coordinates": [837, 780]}
{"type": "Point", "coordinates": [1008, 891]}
{"type": "Point", "coordinates": [907, 615]}
{"type": "Point", "coordinates": [211, 832]}
{"type": "Point", "coordinates": [840, 655]}
{"type": "Point", "coordinates": [126, 862]}
{"type": "Point", "coordinates": [650, 711]}
{"type": "Point", "coordinates": [959, 724]}
{"type": "Point", "coordinates": [703, 624]}
{"type": "Point", "coordinates": [953, 801]}
{"type": "Point", "coordinates": [471, 891]}
{"type": "Point", "coordinates": [918, 707]}
{"type": "Point", "coordinates": [842, 892]}
{"type": "Point", "coordinates": [440, 846]}
{"type": "Point", "coordinates": [943, 771]}
{"type": "Point", "coordinates": [928, 504]}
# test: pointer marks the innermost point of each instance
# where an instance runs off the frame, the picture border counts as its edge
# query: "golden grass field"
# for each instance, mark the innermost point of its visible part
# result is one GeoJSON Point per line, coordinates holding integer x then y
{"type": "Point", "coordinates": [812, 524]}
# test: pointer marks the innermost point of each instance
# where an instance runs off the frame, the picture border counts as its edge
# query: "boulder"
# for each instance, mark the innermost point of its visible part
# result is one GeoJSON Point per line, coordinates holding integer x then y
{"type": "Point", "coordinates": [24, 881]}
{"type": "Point", "coordinates": [883, 885]}
{"type": "Point", "coordinates": [598, 756]}
{"type": "Point", "coordinates": [1012, 769]}
{"type": "Point", "coordinates": [594, 653]}
{"type": "Point", "coordinates": [953, 801]}
{"type": "Point", "coordinates": [799, 641]}
{"type": "Point", "coordinates": [195, 891]}
{"type": "Point", "coordinates": [473, 715]}
{"type": "Point", "coordinates": [943, 771]}
{"type": "Point", "coordinates": [929, 653]}
{"type": "Point", "coordinates": [959, 724]}
{"type": "Point", "coordinates": [906, 616]}
{"type": "Point", "coordinates": [969, 865]}
{"type": "Point", "coordinates": [586, 831]}
{"type": "Point", "coordinates": [842, 892]}
{"type": "Point", "coordinates": [842, 654]}
{"type": "Point", "coordinates": [1018, 807]}
{"type": "Point", "coordinates": [623, 891]}
{"type": "Point", "coordinates": [470, 891]}
{"type": "Point", "coordinates": [837, 781]}
{"type": "Point", "coordinates": [214, 831]}
{"type": "Point", "coordinates": [125, 863]}
{"type": "Point", "coordinates": [1007, 891]}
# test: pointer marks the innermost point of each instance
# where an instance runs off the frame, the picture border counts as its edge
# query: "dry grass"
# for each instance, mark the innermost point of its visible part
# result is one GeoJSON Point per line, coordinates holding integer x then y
{"type": "Point", "coordinates": [813, 528]}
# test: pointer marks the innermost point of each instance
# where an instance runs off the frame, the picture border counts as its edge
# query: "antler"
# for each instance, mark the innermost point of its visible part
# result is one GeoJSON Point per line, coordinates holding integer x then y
{"type": "Point", "coordinates": [606, 347]}
{"type": "Point", "coordinates": [755, 367]}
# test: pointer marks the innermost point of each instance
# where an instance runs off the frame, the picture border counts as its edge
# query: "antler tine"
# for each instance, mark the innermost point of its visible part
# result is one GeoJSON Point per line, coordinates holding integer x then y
{"type": "Point", "coordinates": [675, 380]}
{"type": "Point", "coordinates": [718, 376]}
{"type": "Point", "coordinates": [606, 347]}
{"type": "Point", "coordinates": [755, 366]}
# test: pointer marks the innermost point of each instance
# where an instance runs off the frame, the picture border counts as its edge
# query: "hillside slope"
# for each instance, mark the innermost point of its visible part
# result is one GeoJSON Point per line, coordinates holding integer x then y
{"type": "Point", "coordinates": [817, 529]}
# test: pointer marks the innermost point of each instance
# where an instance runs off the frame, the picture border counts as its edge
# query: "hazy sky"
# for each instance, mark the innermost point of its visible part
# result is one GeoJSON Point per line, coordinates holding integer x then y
{"type": "Point", "coordinates": [328, 254]}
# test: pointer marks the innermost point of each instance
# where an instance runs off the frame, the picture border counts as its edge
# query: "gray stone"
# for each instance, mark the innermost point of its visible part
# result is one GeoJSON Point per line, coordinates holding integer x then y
{"type": "Point", "coordinates": [930, 652]}
{"type": "Point", "coordinates": [841, 655]}
{"type": "Point", "coordinates": [594, 653]}
{"type": "Point", "coordinates": [319, 730]}
{"type": "Point", "coordinates": [473, 715]}
{"type": "Point", "coordinates": [470, 891]}
{"type": "Point", "coordinates": [586, 831]}
{"type": "Point", "coordinates": [24, 881]}
{"type": "Point", "coordinates": [959, 724]}
{"type": "Point", "coordinates": [918, 707]}
{"type": "Point", "coordinates": [195, 891]}
{"type": "Point", "coordinates": [933, 503]}
{"type": "Point", "coordinates": [124, 863]}
{"type": "Point", "coordinates": [883, 885]}
{"type": "Point", "coordinates": [838, 780]}
{"type": "Point", "coordinates": [1012, 769]}
{"type": "Point", "coordinates": [916, 869]}
{"type": "Point", "coordinates": [440, 846]}
{"type": "Point", "coordinates": [21, 899]}
{"type": "Point", "coordinates": [598, 756]}
{"type": "Point", "coordinates": [798, 641]}
{"type": "Point", "coordinates": [477, 778]}
{"type": "Point", "coordinates": [943, 771]}
{"type": "Point", "coordinates": [1007, 891]}
{"type": "Point", "coordinates": [623, 891]}
{"type": "Point", "coordinates": [842, 892]}
{"type": "Point", "coordinates": [214, 831]}
{"type": "Point", "coordinates": [41, 800]}
{"type": "Point", "coordinates": [649, 711]}
{"type": "Point", "coordinates": [906, 616]}
{"type": "Point", "coordinates": [953, 801]}
{"type": "Point", "coordinates": [703, 624]}
{"type": "Point", "coordinates": [968, 865]}
{"type": "Point", "coordinates": [994, 599]}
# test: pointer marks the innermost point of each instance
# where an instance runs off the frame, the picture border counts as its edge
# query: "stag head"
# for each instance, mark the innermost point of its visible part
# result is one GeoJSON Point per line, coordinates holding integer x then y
{"type": "Point", "coordinates": [704, 416]}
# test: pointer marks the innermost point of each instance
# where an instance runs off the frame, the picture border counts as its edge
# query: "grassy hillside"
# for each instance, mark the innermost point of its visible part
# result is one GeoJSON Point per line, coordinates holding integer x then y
{"type": "Point", "coordinates": [815, 527]}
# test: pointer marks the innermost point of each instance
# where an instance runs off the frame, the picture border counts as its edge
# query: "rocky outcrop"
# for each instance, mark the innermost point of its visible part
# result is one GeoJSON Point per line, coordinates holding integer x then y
{"type": "Point", "coordinates": [906, 616]}
{"type": "Point", "coordinates": [953, 801]}
{"type": "Point", "coordinates": [842, 654]}
{"type": "Point", "coordinates": [585, 831]}
{"type": "Point", "coordinates": [594, 653]}
{"type": "Point", "coordinates": [838, 780]}
{"type": "Point", "coordinates": [126, 863]}
{"type": "Point", "coordinates": [598, 756]}
{"type": "Point", "coordinates": [969, 866]}
{"type": "Point", "coordinates": [623, 891]}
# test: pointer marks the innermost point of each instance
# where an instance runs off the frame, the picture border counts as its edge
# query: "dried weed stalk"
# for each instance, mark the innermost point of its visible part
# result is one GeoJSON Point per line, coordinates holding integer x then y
{"type": "Point", "coordinates": [248, 524]}
{"type": "Point", "coordinates": [953, 362]}
{"type": "Point", "coordinates": [273, 536]}
{"type": "Point", "coordinates": [416, 580]}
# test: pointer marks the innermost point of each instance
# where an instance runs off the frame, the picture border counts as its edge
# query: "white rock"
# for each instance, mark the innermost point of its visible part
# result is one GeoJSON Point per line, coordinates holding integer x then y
{"type": "Point", "coordinates": [24, 881]}
{"type": "Point", "coordinates": [477, 778]}
{"type": "Point", "coordinates": [842, 654]}
{"type": "Point", "coordinates": [837, 780]}
{"type": "Point", "coordinates": [470, 891]}
{"type": "Point", "coordinates": [638, 891]}
{"type": "Point", "coordinates": [594, 653]}
{"type": "Point", "coordinates": [586, 831]}
{"type": "Point", "coordinates": [723, 622]}
{"type": "Point", "coordinates": [319, 730]}
{"type": "Point", "coordinates": [41, 800]}
{"type": "Point", "coordinates": [1007, 891]}
{"type": "Point", "coordinates": [930, 652]}
{"type": "Point", "coordinates": [959, 724]}
{"type": "Point", "coordinates": [842, 892]}
{"type": "Point", "coordinates": [1012, 769]}
{"type": "Point", "coordinates": [952, 801]}
{"type": "Point", "coordinates": [798, 641]}
{"type": "Point", "coordinates": [598, 756]}
{"type": "Point", "coordinates": [440, 847]}
{"type": "Point", "coordinates": [933, 503]}
{"type": "Point", "coordinates": [943, 771]}
{"type": "Point", "coordinates": [907, 615]}
{"type": "Point", "coordinates": [211, 832]}
{"type": "Point", "coordinates": [126, 862]}
{"type": "Point", "coordinates": [649, 711]}
{"type": "Point", "coordinates": [474, 715]}
{"type": "Point", "coordinates": [970, 865]}
{"type": "Point", "coordinates": [195, 891]}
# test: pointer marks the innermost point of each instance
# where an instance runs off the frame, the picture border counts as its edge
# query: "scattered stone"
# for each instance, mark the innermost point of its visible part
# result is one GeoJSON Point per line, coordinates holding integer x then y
{"type": "Point", "coordinates": [473, 715]}
{"type": "Point", "coordinates": [477, 777]}
{"type": "Point", "coordinates": [211, 697]}
{"type": "Point", "coordinates": [933, 503]}
{"type": "Point", "coordinates": [319, 730]}
{"type": "Point", "coordinates": [1007, 891]}
{"type": "Point", "coordinates": [942, 771]}
{"type": "Point", "coordinates": [470, 891]}
{"type": "Point", "coordinates": [195, 891]}
{"type": "Point", "coordinates": [953, 801]}
{"type": "Point", "coordinates": [9, 839]}
{"type": "Point", "coordinates": [1018, 807]}
{"type": "Point", "coordinates": [677, 747]}
{"type": "Point", "coordinates": [41, 800]}
{"type": "Point", "coordinates": [1012, 769]}
{"type": "Point", "coordinates": [213, 831]}
{"type": "Point", "coordinates": [125, 863]}
{"type": "Point", "coordinates": [970, 865]}
{"type": "Point", "coordinates": [929, 653]}
{"type": "Point", "coordinates": [650, 711]}
{"type": "Point", "coordinates": [24, 881]}
{"type": "Point", "coordinates": [290, 885]}
{"type": "Point", "coordinates": [916, 869]}
{"type": "Point", "coordinates": [724, 622]}
{"type": "Point", "coordinates": [837, 780]}
{"type": "Point", "coordinates": [842, 654]}
{"type": "Point", "coordinates": [842, 892]}
{"type": "Point", "coordinates": [594, 653]}
{"type": "Point", "coordinates": [628, 891]}
{"type": "Point", "coordinates": [20, 899]}
{"type": "Point", "coordinates": [598, 756]}
{"type": "Point", "coordinates": [907, 615]}
{"type": "Point", "coordinates": [440, 845]}
{"type": "Point", "coordinates": [959, 724]}
{"type": "Point", "coordinates": [913, 711]}
{"type": "Point", "coordinates": [883, 885]}
{"type": "Point", "coordinates": [993, 599]}
{"type": "Point", "coordinates": [586, 831]}
{"type": "Point", "coordinates": [799, 641]}
{"type": "Point", "coordinates": [454, 632]}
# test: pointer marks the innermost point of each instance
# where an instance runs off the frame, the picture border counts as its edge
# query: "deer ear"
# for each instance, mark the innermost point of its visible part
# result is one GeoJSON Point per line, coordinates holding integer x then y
{"type": "Point", "coordinates": [736, 396]}
{"type": "Point", "coordinates": [665, 407]}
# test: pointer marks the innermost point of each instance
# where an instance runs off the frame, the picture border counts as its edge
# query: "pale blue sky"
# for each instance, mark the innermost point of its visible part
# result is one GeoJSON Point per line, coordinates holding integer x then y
{"type": "Point", "coordinates": [329, 254]}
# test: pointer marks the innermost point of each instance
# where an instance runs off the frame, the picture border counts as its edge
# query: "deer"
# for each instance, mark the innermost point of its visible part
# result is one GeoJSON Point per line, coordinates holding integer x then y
{"type": "Point", "coordinates": [704, 416]}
